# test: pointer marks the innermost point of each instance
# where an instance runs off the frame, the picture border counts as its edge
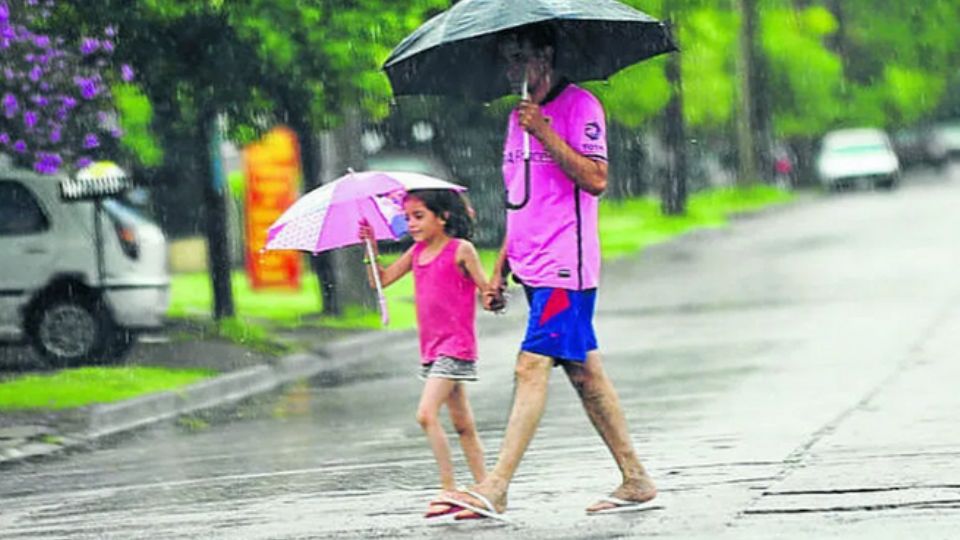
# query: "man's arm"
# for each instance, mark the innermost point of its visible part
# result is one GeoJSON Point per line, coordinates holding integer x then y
{"type": "Point", "coordinates": [589, 175]}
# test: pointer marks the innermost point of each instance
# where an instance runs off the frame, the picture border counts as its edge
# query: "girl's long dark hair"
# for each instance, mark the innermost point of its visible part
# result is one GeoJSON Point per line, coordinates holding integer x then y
{"type": "Point", "coordinates": [451, 206]}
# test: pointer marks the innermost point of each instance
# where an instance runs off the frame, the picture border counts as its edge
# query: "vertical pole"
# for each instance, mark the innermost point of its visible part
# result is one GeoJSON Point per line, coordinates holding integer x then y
{"type": "Point", "coordinates": [98, 240]}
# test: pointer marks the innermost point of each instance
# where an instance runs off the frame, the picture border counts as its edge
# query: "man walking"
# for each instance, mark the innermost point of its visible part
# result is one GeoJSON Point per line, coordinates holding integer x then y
{"type": "Point", "coordinates": [552, 247]}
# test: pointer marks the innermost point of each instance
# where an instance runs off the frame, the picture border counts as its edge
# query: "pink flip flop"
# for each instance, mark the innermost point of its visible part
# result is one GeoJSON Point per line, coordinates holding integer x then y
{"type": "Point", "coordinates": [450, 509]}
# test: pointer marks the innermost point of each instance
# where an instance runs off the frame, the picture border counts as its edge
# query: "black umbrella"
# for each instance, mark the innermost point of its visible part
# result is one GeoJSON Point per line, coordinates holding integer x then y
{"type": "Point", "coordinates": [457, 52]}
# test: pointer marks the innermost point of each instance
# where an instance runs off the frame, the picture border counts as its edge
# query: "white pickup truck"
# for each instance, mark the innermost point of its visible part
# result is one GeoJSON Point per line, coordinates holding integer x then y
{"type": "Point", "coordinates": [73, 302]}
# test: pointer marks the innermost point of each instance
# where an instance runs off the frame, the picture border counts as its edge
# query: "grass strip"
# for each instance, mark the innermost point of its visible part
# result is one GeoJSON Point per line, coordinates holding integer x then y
{"type": "Point", "coordinates": [71, 388]}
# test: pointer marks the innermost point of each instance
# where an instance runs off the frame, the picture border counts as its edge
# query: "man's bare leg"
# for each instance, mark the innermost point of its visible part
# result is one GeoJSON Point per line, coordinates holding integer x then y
{"type": "Point", "coordinates": [529, 401]}
{"type": "Point", "coordinates": [602, 404]}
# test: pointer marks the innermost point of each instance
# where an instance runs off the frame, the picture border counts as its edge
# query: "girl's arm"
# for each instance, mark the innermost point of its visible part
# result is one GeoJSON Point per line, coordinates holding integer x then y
{"type": "Point", "coordinates": [392, 273]}
{"type": "Point", "coordinates": [469, 262]}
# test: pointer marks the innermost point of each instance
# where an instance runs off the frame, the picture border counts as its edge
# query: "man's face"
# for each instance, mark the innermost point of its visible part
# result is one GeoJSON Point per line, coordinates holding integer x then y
{"type": "Point", "coordinates": [521, 60]}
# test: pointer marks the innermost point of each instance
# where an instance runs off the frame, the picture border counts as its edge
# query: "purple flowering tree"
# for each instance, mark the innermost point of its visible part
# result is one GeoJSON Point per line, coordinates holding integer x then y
{"type": "Point", "coordinates": [56, 108]}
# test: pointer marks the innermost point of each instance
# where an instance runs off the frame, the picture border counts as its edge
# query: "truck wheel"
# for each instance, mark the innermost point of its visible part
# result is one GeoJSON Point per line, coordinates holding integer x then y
{"type": "Point", "coordinates": [68, 331]}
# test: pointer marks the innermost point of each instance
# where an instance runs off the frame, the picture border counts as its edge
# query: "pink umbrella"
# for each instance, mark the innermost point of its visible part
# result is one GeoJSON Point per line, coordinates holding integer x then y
{"type": "Point", "coordinates": [329, 216]}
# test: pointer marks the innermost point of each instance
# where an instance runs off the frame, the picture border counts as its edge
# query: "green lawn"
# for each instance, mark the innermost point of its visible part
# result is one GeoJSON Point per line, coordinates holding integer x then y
{"type": "Point", "coordinates": [72, 388]}
{"type": "Point", "coordinates": [626, 228]}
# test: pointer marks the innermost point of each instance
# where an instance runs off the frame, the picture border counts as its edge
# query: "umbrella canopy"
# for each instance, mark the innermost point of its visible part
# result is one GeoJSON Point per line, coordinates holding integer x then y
{"type": "Point", "coordinates": [456, 53]}
{"type": "Point", "coordinates": [328, 217]}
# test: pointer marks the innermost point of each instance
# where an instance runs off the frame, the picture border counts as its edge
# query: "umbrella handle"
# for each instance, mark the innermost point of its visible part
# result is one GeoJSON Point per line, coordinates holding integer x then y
{"type": "Point", "coordinates": [525, 94]}
{"type": "Point", "coordinates": [381, 299]}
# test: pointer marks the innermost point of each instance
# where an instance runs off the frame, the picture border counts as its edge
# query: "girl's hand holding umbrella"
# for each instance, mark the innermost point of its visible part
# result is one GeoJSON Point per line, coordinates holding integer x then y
{"type": "Point", "coordinates": [372, 254]}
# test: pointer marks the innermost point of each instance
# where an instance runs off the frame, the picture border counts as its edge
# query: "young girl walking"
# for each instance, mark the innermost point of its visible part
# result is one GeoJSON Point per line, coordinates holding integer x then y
{"type": "Point", "coordinates": [446, 275]}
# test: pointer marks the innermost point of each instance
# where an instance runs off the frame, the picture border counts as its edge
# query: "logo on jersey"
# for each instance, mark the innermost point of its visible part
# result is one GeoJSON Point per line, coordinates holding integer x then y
{"type": "Point", "coordinates": [592, 131]}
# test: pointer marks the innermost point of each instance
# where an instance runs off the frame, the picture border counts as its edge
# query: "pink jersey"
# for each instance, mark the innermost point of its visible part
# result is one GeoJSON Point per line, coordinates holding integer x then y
{"type": "Point", "coordinates": [553, 241]}
{"type": "Point", "coordinates": [446, 306]}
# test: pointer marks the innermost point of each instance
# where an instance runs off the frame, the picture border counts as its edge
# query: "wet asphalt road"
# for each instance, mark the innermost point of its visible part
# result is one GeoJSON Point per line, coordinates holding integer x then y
{"type": "Point", "coordinates": [790, 376]}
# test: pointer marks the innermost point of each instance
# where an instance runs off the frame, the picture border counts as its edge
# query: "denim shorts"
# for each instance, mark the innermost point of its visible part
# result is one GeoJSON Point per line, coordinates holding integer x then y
{"type": "Point", "coordinates": [447, 367]}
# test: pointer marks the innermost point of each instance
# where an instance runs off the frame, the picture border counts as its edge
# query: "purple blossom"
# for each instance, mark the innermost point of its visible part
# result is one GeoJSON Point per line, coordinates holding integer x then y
{"type": "Point", "coordinates": [83, 162]}
{"type": "Point", "coordinates": [41, 41]}
{"type": "Point", "coordinates": [116, 132]}
{"type": "Point", "coordinates": [47, 163]}
{"type": "Point", "coordinates": [107, 46]}
{"type": "Point", "coordinates": [126, 73]}
{"type": "Point", "coordinates": [10, 105]}
{"type": "Point", "coordinates": [4, 13]}
{"type": "Point", "coordinates": [89, 46]}
{"type": "Point", "coordinates": [9, 73]}
{"type": "Point", "coordinates": [110, 31]}
{"type": "Point", "coordinates": [39, 100]}
{"type": "Point", "coordinates": [90, 141]}
{"type": "Point", "coordinates": [4, 138]}
{"type": "Point", "coordinates": [88, 87]}
{"type": "Point", "coordinates": [29, 119]}
{"type": "Point", "coordinates": [56, 135]}
{"type": "Point", "coordinates": [20, 147]}
{"type": "Point", "coordinates": [68, 102]}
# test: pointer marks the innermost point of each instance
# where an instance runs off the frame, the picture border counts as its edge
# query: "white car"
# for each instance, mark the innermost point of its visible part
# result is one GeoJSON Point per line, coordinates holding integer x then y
{"type": "Point", "coordinates": [55, 291]}
{"type": "Point", "coordinates": [852, 157]}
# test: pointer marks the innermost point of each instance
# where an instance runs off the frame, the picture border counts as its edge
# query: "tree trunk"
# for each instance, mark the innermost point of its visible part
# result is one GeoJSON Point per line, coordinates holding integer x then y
{"type": "Point", "coordinates": [747, 173]}
{"type": "Point", "coordinates": [673, 191]}
{"type": "Point", "coordinates": [310, 162]}
{"type": "Point", "coordinates": [345, 280]}
{"type": "Point", "coordinates": [215, 211]}
{"type": "Point", "coordinates": [762, 112]}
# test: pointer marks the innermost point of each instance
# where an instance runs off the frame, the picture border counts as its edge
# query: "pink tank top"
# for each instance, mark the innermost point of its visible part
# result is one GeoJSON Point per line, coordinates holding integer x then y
{"type": "Point", "coordinates": [446, 306]}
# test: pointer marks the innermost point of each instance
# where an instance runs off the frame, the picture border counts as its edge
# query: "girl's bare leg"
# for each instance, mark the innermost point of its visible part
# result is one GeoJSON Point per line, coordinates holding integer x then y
{"type": "Point", "coordinates": [436, 391]}
{"type": "Point", "coordinates": [462, 418]}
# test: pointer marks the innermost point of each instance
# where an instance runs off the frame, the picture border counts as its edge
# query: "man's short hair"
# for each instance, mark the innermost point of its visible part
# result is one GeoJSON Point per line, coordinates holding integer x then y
{"type": "Point", "coordinates": [539, 35]}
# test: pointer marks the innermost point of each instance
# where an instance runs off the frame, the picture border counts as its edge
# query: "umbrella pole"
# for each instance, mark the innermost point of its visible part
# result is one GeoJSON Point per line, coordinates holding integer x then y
{"type": "Point", "coordinates": [525, 94]}
{"type": "Point", "coordinates": [381, 299]}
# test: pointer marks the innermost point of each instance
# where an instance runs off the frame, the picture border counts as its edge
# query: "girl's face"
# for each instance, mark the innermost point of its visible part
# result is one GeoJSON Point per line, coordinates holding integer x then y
{"type": "Point", "coordinates": [422, 223]}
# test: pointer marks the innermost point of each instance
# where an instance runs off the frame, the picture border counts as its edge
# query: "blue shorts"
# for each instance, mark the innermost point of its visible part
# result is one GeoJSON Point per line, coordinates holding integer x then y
{"type": "Point", "coordinates": [561, 323]}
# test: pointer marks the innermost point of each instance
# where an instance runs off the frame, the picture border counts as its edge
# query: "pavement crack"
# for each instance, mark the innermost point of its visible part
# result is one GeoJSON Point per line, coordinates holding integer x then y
{"type": "Point", "coordinates": [844, 491]}
{"type": "Point", "coordinates": [927, 505]}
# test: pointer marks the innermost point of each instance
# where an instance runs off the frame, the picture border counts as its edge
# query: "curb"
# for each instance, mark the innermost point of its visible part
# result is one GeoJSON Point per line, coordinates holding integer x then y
{"type": "Point", "coordinates": [84, 426]}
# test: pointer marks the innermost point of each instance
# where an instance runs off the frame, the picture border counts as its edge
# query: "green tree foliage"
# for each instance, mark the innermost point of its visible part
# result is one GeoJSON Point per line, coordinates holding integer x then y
{"type": "Point", "coordinates": [898, 57]}
{"type": "Point", "coordinates": [806, 78]}
{"type": "Point", "coordinates": [708, 41]}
